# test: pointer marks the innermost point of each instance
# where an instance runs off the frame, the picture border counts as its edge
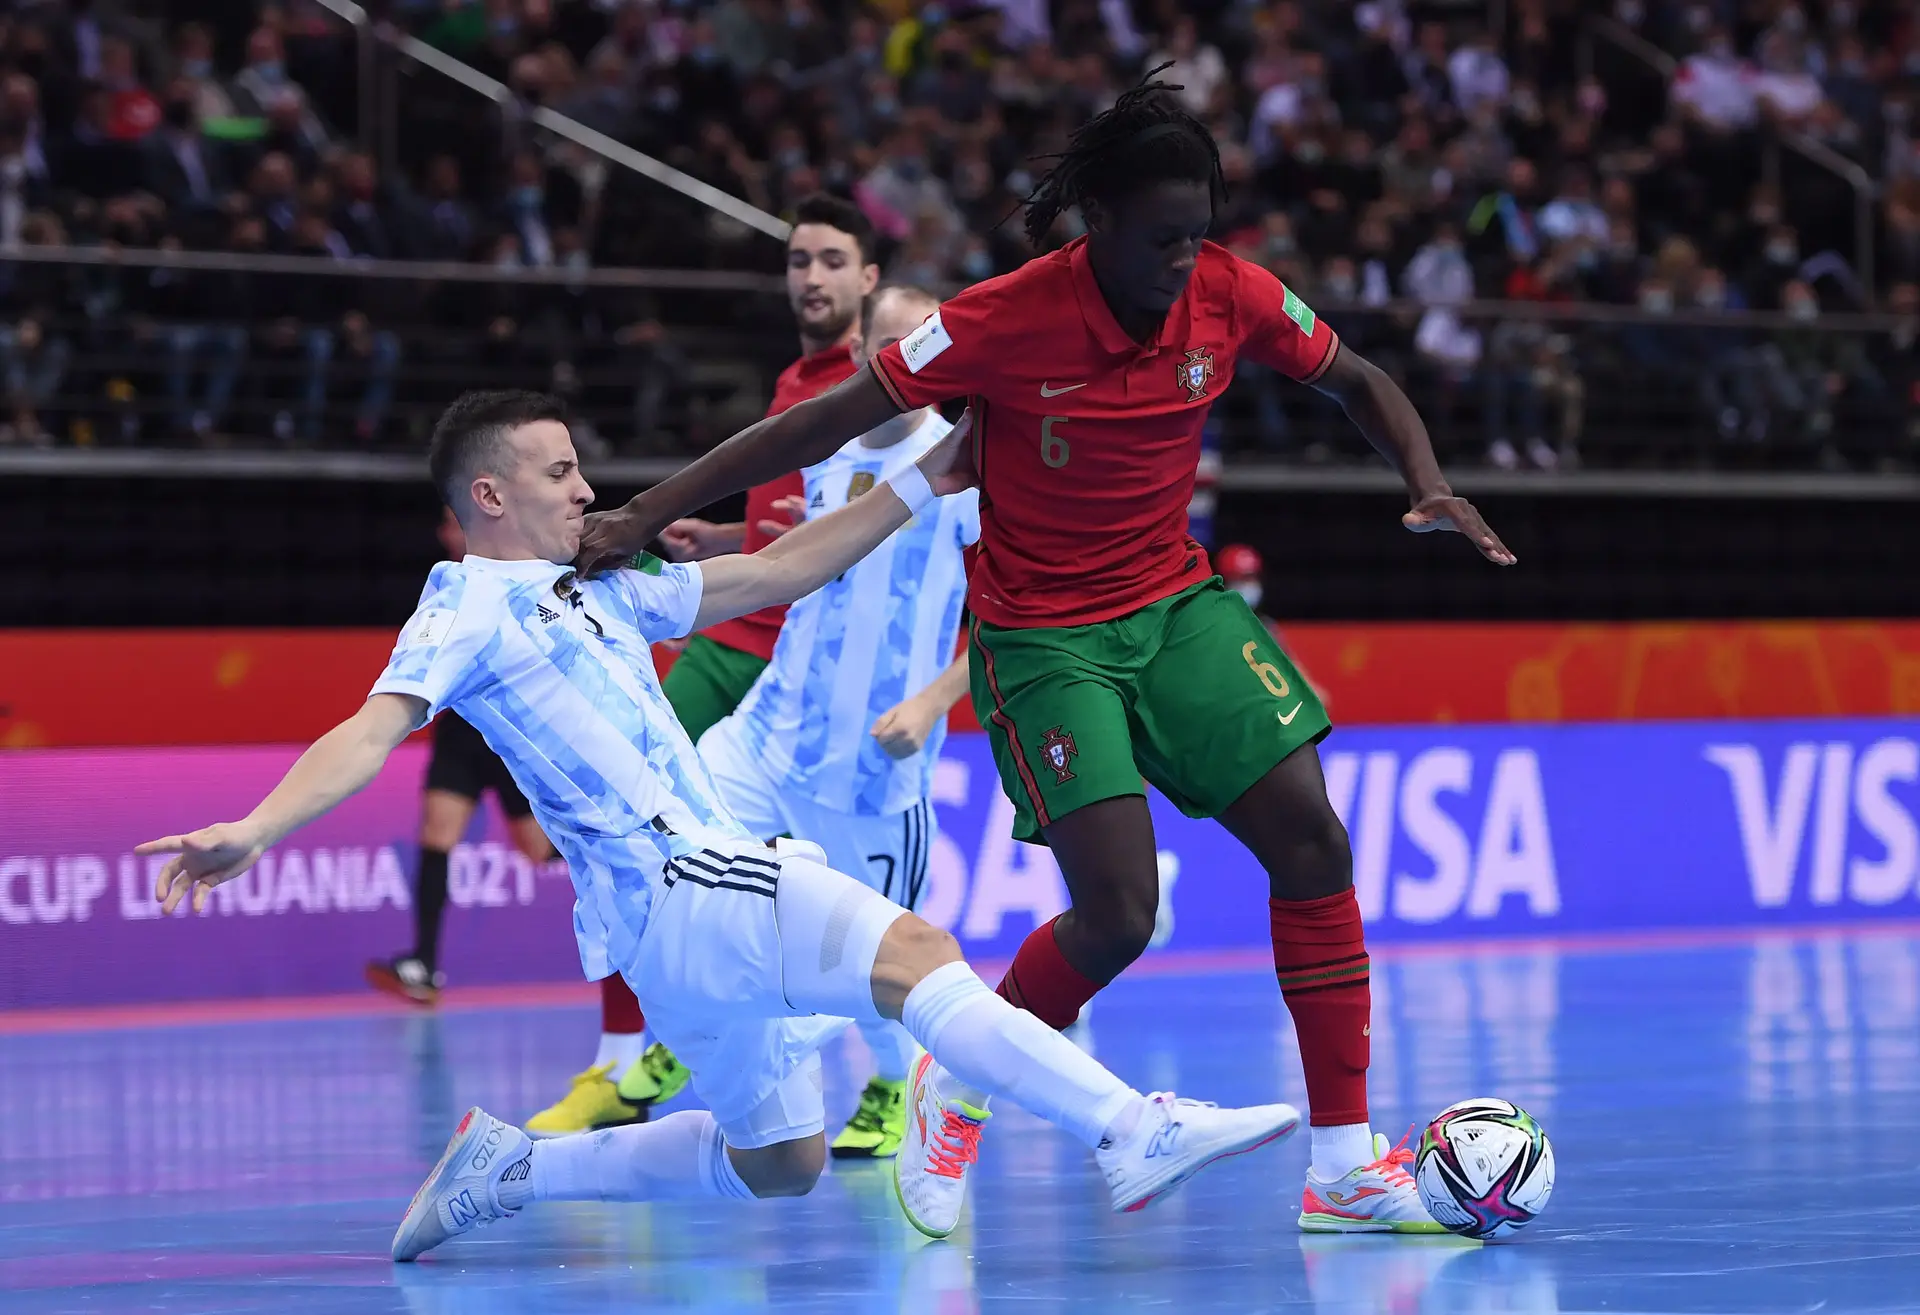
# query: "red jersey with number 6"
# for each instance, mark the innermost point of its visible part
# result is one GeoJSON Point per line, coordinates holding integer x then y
{"type": "Point", "coordinates": [1086, 441]}
{"type": "Point", "coordinates": [808, 377]}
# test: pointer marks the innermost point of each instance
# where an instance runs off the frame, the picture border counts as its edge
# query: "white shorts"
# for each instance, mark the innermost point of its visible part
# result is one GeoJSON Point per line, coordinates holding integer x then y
{"type": "Point", "coordinates": [740, 955]}
{"type": "Point", "coordinates": [888, 851]}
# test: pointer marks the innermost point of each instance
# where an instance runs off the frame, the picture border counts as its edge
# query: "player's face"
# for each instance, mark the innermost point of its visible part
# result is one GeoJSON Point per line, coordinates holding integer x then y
{"type": "Point", "coordinates": [1145, 246]}
{"type": "Point", "coordinates": [826, 281]}
{"type": "Point", "coordinates": [544, 495]}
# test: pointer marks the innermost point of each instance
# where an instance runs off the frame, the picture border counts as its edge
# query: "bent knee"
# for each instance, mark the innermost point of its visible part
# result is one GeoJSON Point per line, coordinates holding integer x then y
{"type": "Point", "coordinates": [923, 944]}
{"type": "Point", "coordinates": [912, 949]}
{"type": "Point", "coordinates": [1319, 861]}
{"type": "Point", "coordinates": [1120, 926]}
{"type": "Point", "coordinates": [789, 1168]}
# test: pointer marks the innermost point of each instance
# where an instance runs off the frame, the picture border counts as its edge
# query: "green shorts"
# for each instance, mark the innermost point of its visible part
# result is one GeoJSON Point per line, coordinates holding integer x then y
{"type": "Point", "coordinates": [1191, 692]}
{"type": "Point", "coordinates": [707, 682]}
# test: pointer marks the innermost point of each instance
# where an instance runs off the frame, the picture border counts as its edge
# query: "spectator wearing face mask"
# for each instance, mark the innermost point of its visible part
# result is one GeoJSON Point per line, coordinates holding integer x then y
{"type": "Point", "coordinates": [1807, 372]}
{"type": "Point", "coordinates": [534, 208]}
{"type": "Point", "coordinates": [193, 64]}
{"type": "Point", "coordinates": [263, 89]}
{"type": "Point", "coordinates": [901, 190]}
{"type": "Point", "coordinates": [1777, 264]}
{"type": "Point", "coordinates": [182, 167]}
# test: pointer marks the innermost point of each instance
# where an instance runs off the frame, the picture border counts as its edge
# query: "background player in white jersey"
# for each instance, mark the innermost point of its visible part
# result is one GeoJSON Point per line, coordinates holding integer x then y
{"type": "Point", "coordinates": [729, 947]}
{"type": "Point", "coordinates": [836, 741]}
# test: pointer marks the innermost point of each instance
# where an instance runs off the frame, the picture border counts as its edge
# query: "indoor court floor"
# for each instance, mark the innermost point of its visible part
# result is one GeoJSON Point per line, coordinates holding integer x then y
{"type": "Point", "coordinates": [1735, 1123]}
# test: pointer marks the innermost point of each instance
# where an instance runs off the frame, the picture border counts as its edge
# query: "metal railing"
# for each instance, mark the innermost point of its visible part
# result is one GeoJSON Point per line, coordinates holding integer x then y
{"type": "Point", "coordinates": [134, 368]}
{"type": "Point", "coordinates": [1866, 192]}
{"type": "Point", "coordinates": [374, 116]}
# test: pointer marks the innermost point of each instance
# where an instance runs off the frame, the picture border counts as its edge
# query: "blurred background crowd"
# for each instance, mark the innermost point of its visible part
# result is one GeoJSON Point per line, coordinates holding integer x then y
{"type": "Point", "coordinates": [1699, 219]}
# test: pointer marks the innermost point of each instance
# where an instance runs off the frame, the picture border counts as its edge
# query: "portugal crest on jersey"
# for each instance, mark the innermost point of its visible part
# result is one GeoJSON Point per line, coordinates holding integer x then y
{"type": "Point", "coordinates": [1057, 747]}
{"type": "Point", "coordinates": [1196, 372]}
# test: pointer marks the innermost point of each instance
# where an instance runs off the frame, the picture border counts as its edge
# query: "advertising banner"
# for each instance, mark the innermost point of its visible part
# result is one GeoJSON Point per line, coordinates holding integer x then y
{"type": "Point", "coordinates": [1456, 832]}
{"type": "Point", "coordinates": [191, 687]}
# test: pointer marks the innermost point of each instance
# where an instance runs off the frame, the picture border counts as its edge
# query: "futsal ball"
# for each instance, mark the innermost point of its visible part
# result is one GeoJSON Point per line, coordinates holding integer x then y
{"type": "Point", "coordinates": [1484, 1168]}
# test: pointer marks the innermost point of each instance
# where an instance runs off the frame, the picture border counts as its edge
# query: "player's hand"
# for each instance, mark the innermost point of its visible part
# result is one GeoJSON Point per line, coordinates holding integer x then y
{"type": "Point", "coordinates": [612, 538]}
{"type": "Point", "coordinates": [688, 539]}
{"type": "Point", "coordinates": [903, 729]}
{"type": "Point", "coordinates": [948, 464]}
{"type": "Point", "coordinates": [793, 507]}
{"type": "Point", "coordinates": [201, 860]}
{"type": "Point", "coordinates": [1458, 515]}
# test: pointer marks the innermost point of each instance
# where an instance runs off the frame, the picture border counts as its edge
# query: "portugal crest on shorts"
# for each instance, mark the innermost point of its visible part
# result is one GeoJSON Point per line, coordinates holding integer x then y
{"type": "Point", "coordinates": [1196, 372]}
{"type": "Point", "coordinates": [1057, 747]}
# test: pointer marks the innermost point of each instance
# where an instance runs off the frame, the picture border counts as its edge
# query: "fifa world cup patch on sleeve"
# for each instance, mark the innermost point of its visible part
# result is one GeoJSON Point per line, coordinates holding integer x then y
{"type": "Point", "coordinates": [924, 343]}
{"type": "Point", "coordinates": [432, 627]}
{"type": "Point", "coordinates": [1299, 312]}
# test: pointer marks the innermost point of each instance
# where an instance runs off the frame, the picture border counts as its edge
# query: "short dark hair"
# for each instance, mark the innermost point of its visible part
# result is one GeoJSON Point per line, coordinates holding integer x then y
{"type": "Point", "coordinates": [472, 433]}
{"type": "Point", "coordinates": [1147, 137]}
{"type": "Point", "coordinates": [839, 213]}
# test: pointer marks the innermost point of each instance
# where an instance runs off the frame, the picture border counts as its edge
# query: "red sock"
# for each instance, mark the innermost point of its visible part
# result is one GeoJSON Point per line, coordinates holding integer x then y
{"type": "Point", "coordinates": [1320, 954]}
{"type": "Point", "coordinates": [1043, 983]}
{"type": "Point", "coordinates": [619, 1011]}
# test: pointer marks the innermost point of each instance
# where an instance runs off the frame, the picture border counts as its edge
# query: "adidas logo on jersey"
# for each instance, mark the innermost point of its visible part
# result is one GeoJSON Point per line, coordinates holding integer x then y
{"type": "Point", "coordinates": [817, 501]}
{"type": "Point", "coordinates": [547, 615]}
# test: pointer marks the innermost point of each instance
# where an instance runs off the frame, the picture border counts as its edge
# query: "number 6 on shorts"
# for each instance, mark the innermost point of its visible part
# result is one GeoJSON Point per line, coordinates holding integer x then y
{"type": "Point", "coordinates": [1270, 675]}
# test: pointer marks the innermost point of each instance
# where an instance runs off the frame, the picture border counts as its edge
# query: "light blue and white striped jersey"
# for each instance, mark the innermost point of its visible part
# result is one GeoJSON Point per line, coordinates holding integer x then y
{"type": "Point", "coordinates": [557, 676]}
{"type": "Point", "coordinates": [856, 647]}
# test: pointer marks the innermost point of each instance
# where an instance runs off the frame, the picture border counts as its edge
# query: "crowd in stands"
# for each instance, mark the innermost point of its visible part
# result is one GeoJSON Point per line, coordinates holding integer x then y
{"type": "Point", "coordinates": [1390, 160]}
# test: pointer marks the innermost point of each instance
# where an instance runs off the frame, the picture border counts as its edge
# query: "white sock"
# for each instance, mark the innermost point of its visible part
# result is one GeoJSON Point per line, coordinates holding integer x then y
{"type": "Point", "coordinates": [680, 1155]}
{"type": "Point", "coordinates": [1339, 1150]}
{"type": "Point", "coordinates": [619, 1049]}
{"type": "Point", "coordinates": [988, 1044]}
{"type": "Point", "coordinates": [892, 1047]}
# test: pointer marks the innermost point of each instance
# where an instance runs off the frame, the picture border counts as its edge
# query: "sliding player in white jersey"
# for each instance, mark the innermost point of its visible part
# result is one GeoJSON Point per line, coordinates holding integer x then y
{"type": "Point", "coordinates": [836, 741]}
{"type": "Point", "coordinates": [730, 947]}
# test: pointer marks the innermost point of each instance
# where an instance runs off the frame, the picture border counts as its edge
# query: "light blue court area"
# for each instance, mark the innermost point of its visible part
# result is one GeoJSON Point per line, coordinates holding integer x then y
{"type": "Point", "coordinates": [1735, 1125]}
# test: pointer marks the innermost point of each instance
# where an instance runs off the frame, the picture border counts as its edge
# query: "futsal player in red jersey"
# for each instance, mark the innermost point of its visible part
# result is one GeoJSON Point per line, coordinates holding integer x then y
{"type": "Point", "coordinates": [1104, 647]}
{"type": "Point", "coordinates": [830, 272]}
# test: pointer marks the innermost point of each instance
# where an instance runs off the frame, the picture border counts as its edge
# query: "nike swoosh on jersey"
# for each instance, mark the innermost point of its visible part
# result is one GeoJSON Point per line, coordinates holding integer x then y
{"type": "Point", "coordinates": [1046, 391]}
{"type": "Point", "coordinates": [1286, 718]}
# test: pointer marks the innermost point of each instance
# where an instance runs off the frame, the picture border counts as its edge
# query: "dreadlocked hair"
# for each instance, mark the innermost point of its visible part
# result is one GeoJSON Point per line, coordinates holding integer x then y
{"type": "Point", "coordinates": [1147, 137]}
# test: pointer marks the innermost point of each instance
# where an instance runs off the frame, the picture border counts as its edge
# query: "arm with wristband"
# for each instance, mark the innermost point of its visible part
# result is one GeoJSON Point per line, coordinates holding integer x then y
{"type": "Point", "coordinates": [813, 553]}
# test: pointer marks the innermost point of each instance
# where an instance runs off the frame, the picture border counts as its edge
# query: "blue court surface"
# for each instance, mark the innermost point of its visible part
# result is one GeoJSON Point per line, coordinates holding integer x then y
{"type": "Point", "coordinates": [1735, 1125]}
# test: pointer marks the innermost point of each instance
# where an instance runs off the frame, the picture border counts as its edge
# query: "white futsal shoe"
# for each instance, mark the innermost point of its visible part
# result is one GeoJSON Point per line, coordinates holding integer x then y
{"type": "Point", "coordinates": [463, 1191]}
{"type": "Point", "coordinates": [1176, 1138]}
{"type": "Point", "coordinates": [938, 1153]}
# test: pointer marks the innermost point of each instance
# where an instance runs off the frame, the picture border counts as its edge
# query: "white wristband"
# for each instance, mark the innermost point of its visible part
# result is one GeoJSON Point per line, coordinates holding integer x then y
{"type": "Point", "coordinates": [911, 487]}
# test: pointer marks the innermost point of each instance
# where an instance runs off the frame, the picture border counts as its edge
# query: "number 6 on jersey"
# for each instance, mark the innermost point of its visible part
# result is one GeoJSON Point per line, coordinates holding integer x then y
{"type": "Point", "coordinates": [1053, 447]}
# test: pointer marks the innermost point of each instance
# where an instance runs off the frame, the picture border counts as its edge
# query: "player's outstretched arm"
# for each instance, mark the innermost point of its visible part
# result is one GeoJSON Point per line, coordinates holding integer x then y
{"type": "Point", "coordinates": [1375, 403]}
{"type": "Point", "coordinates": [902, 730]}
{"type": "Point", "coordinates": [338, 764]}
{"type": "Point", "coordinates": [799, 436]}
{"type": "Point", "coordinates": [809, 555]}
